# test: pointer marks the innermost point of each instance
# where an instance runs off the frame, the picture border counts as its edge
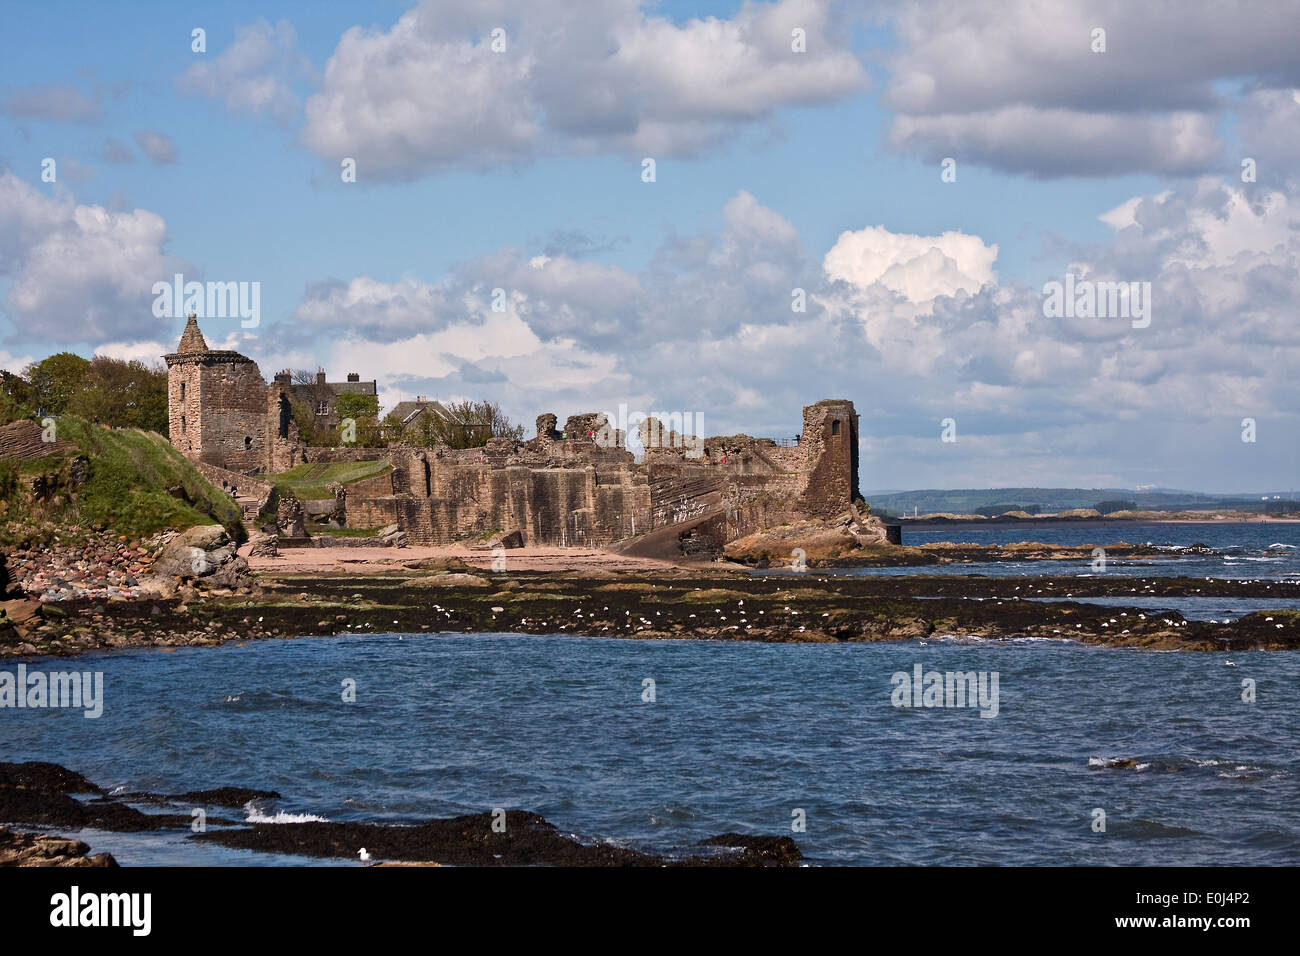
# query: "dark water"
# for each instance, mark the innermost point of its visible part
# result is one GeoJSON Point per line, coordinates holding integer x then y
{"type": "Point", "coordinates": [740, 735]}
{"type": "Point", "coordinates": [1252, 550]}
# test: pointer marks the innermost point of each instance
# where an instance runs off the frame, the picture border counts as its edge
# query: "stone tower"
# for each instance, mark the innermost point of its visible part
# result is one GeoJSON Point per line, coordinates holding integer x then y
{"type": "Point", "coordinates": [830, 441]}
{"type": "Point", "coordinates": [218, 405]}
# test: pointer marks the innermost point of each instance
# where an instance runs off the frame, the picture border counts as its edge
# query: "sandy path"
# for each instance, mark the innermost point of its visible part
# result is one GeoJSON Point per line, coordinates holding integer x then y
{"type": "Point", "coordinates": [377, 560]}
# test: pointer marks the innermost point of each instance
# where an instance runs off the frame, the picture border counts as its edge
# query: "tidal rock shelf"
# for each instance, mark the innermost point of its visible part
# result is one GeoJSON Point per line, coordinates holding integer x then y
{"type": "Point", "coordinates": [48, 795]}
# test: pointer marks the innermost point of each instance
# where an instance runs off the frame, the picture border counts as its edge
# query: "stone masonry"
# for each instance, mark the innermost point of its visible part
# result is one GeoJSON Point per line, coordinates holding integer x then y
{"type": "Point", "coordinates": [575, 486]}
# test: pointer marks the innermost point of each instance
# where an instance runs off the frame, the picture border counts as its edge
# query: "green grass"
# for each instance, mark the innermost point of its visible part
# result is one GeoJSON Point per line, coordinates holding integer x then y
{"type": "Point", "coordinates": [342, 532]}
{"type": "Point", "coordinates": [126, 491]}
{"type": "Point", "coordinates": [311, 481]}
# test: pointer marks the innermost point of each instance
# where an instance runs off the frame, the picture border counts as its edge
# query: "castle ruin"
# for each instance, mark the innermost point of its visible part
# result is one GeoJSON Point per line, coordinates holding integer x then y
{"type": "Point", "coordinates": [577, 487]}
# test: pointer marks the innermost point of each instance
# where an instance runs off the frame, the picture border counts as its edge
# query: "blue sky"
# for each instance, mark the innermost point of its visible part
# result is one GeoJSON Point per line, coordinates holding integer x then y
{"type": "Point", "coordinates": [670, 294]}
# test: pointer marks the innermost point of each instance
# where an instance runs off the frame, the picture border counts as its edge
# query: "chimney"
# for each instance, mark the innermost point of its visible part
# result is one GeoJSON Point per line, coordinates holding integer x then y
{"type": "Point", "coordinates": [354, 376]}
{"type": "Point", "coordinates": [320, 375]}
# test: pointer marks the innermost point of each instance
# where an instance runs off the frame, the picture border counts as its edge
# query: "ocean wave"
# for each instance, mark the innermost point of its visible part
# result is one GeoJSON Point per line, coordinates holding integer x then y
{"type": "Point", "coordinates": [1230, 769]}
{"type": "Point", "coordinates": [253, 814]}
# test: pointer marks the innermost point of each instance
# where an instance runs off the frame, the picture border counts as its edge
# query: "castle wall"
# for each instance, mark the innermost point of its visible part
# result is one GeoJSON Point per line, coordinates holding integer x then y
{"type": "Point", "coordinates": [575, 493]}
{"type": "Point", "coordinates": [581, 490]}
{"type": "Point", "coordinates": [316, 453]}
{"type": "Point", "coordinates": [217, 409]}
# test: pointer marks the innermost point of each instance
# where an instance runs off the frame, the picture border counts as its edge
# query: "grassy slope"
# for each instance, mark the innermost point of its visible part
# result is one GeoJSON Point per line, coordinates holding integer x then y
{"type": "Point", "coordinates": [130, 472]}
{"type": "Point", "coordinates": [310, 481]}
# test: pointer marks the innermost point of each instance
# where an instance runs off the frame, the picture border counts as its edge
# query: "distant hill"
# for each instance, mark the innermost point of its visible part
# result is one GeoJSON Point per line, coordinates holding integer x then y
{"type": "Point", "coordinates": [998, 500]}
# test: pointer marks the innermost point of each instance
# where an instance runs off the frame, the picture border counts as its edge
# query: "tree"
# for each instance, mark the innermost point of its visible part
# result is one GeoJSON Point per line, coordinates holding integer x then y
{"type": "Point", "coordinates": [364, 412]}
{"type": "Point", "coordinates": [1106, 507]}
{"type": "Point", "coordinates": [468, 424]}
{"type": "Point", "coordinates": [357, 406]}
{"type": "Point", "coordinates": [15, 397]}
{"type": "Point", "coordinates": [125, 394]}
{"type": "Point", "coordinates": [55, 380]}
{"type": "Point", "coordinates": [304, 416]}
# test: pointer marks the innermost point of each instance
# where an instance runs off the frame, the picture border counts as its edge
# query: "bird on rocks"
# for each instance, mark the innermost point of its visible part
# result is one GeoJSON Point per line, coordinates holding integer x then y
{"type": "Point", "coordinates": [364, 854]}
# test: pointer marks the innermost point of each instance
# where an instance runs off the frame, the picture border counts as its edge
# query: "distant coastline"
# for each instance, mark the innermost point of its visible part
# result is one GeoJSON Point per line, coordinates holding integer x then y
{"type": "Point", "coordinates": [936, 521]}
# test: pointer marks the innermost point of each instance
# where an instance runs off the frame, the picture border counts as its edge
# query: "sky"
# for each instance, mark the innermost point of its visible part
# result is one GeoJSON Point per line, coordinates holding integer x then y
{"type": "Point", "coordinates": [916, 175]}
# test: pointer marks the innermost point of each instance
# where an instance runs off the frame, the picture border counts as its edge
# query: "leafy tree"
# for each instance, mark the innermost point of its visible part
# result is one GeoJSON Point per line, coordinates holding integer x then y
{"type": "Point", "coordinates": [1115, 504]}
{"type": "Point", "coordinates": [356, 406]}
{"type": "Point", "coordinates": [15, 397]}
{"type": "Point", "coordinates": [304, 416]}
{"type": "Point", "coordinates": [468, 424]}
{"type": "Point", "coordinates": [126, 394]}
{"type": "Point", "coordinates": [55, 380]}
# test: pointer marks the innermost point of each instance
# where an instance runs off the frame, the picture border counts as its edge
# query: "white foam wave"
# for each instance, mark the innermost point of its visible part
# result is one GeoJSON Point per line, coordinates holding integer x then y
{"type": "Point", "coordinates": [254, 815]}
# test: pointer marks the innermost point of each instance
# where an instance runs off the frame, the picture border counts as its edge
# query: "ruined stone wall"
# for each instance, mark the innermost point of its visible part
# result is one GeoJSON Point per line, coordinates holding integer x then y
{"type": "Point", "coordinates": [379, 486]}
{"type": "Point", "coordinates": [217, 409]}
{"type": "Point", "coordinates": [830, 434]}
{"type": "Point", "coordinates": [573, 492]}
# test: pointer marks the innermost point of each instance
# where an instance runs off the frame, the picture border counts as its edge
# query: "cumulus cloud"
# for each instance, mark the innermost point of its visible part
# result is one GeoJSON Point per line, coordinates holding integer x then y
{"type": "Point", "coordinates": [157, 146]}
{"type": "Point", "coordinates": [914, 328]}
{"type": "Point", "coordinates": [78, 273]}
{"type": "Point", "coordinates": [919, 268]}
{"type": "Point", "coordinates": [54, 101]}
{"type": "Point", "coordinates": [256, 74]}
{"type": "Point", "coordinates": [1017, 86]}
{"type": "Point", "coordinates": [431, 92]}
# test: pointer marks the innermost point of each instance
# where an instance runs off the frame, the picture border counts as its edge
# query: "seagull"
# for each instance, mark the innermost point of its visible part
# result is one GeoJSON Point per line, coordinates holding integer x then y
{"type": "Point", "coordinates": [365, 855]}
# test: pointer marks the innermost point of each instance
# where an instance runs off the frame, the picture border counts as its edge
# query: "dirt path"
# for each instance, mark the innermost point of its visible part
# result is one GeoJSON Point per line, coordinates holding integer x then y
{"type": "Point", "coordinates": [378, 560]}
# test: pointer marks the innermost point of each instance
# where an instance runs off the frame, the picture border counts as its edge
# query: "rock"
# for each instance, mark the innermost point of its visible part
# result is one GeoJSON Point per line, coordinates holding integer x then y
{"type": "Point", "coordinates": [204, 555]}
{"type": "Point", "coordinates": [842, 537]}
{"type": "Point", "coordinates": [507, 539]}
{"type": "Point", "coordinates": [20, 610]}
{"type": "Point", "coordinates": [290, 519]}
{"type": "Point", "coordinates": [450, 579]}
{"type": "Point", "coordinates": [264, 544]}
{"type": "Point", "coordinates": [38, 849]}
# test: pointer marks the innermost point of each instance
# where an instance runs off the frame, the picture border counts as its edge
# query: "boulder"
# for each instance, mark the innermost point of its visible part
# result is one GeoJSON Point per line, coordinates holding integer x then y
{"type": "Point", "coordinates": [843, 537]}
{"type": "Point", "coordinates": [264, 544]}
{"type": "Point", "coordinates": [203, 555]}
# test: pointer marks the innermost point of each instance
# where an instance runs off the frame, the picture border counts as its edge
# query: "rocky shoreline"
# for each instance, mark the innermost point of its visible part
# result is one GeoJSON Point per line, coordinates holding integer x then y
{"type": "Point", "coordinates": [46, 794]}
{"type": "Point", "coordinates": [670, 604]}
{"type": "Point", "coordinates": [194, 590]}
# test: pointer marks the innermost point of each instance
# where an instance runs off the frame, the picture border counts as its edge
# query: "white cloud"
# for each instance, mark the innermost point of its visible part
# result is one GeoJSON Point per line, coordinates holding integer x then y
{"type": "Point", "coordinates": [78, 273]}
{"type": "Point", "coordinates": [431, 93]}
{"type": "Point", "coordinates": [919, 268]}
{"type": "Point", "coordinates": [1015, 84]}
{"type": "Point", "coordinates": [255, 74]}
